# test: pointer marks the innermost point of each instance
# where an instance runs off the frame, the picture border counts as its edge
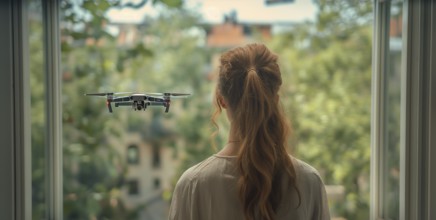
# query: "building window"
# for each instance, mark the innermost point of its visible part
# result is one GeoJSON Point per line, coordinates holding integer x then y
{"type": "Point", "coordinates": [133, 187]}
{"type": "Point", "coordinates": [133, 154]}
{"type": "Point", "coordinates": [156, 183]}
{"type": "Point", "coordinates": [156, 156]}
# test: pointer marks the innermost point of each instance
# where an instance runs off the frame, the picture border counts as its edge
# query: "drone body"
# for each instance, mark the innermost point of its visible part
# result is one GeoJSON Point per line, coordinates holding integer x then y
{"type": "Point", "coordinates": [139, 101]}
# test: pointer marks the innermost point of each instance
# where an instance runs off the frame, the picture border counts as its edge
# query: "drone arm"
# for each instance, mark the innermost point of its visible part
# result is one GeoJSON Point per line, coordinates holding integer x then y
{"type": "Point", "coordinates": [155, 99]}
{"type": "Point", "coordinates": [121, 99]}
{"type": "Point", "coordinates": [156, 104]}
{"type": "Point", "coordinates": [123, 104]}
{"type": "Point", "coordinates": [164, 104]}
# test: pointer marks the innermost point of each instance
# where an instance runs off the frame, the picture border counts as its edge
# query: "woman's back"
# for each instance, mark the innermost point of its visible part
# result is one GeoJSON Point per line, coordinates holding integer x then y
{"type": "Point", "coordinates": [254, 177]}
{"type": "Point", "coordinates": [208, 191]}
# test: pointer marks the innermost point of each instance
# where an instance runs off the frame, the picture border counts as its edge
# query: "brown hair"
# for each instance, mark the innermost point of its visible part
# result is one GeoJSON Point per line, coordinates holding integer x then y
{"type": "Point", "coordinates": [249, 81]}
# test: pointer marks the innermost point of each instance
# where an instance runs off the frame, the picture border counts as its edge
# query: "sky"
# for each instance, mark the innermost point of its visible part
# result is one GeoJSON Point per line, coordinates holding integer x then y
{"type": "Point", "coordinates": [213, 11]}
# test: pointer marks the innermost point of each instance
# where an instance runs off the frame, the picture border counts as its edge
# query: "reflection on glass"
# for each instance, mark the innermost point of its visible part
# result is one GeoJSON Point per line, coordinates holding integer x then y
{"type": "Point", "coordinates": [392, 115]}
{"type": "Point", "coordinates": [175, 46]}
{"type": "Point", "coordinates": [37, 80]}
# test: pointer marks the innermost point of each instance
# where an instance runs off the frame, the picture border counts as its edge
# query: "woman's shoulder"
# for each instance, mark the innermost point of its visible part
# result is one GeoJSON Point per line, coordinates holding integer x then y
{"type": "Point", "coordinates": [309, 181]}
{"type": "Point", "coordinates": [303, 167]}
{"type": "Point", "coordinates": [306, 173]}
{"type": "Point", "coordinates": [198, 171]}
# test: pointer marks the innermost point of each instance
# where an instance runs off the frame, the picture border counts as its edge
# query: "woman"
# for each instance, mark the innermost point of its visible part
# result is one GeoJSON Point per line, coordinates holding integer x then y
{"type": "Point", "coordinates": [253, 176]}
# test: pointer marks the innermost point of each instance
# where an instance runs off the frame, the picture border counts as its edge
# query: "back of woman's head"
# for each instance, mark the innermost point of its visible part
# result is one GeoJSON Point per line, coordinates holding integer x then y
{"type": "Point", "coordinates": [249, 82]}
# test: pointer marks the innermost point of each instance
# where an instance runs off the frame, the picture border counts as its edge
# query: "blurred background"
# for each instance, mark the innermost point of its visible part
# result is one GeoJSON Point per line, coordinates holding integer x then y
{"type": "Point", "coordinates": [125, 165]}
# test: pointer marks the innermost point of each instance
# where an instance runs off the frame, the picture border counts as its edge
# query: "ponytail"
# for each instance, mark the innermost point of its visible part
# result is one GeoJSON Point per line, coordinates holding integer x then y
{"type": "Point", "coordinates": [250, 80]}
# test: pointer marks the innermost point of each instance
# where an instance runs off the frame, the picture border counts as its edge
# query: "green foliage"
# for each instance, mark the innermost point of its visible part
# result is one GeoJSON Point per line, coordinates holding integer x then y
{"type": "Point", "coordinates": [94, 172]}
{"type": "Point", "coordinates": [93, 169]}
{"type": "Point", "coordinates": [37, 115]}
{"type": "Point", "coordinates": [327, 76]}
{"type": "Point", "coordinates": [326, 67]}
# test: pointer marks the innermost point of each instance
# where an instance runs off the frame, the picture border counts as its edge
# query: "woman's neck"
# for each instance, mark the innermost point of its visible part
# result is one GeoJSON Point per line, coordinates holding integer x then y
{"type": "Point", "coordinates": [232, 146]}
{"type": "Point", "coordinates": [230, 149]}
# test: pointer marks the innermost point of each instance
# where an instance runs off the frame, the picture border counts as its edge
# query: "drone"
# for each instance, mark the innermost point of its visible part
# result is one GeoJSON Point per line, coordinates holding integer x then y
{"type": "Point", "coordinates": [139, 101]}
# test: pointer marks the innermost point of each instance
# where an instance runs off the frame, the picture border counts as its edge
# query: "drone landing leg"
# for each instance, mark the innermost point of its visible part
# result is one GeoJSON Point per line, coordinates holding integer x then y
{"type": "Point", "coordinates": [109, 106]}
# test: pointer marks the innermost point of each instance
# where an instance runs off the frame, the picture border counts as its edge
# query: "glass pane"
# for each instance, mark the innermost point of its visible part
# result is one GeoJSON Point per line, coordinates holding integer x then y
{"type": "Point", "coordinates": [328, 95]}
{"type": "Point", "coordinates": [174, 46]}
{"type": "Point", "coordinates": [391, 160]}
{"type": "Point", "coordinates": [38, 120]}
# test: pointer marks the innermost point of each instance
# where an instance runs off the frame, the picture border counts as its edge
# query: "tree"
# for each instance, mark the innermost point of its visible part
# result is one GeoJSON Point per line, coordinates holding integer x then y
{"type": "Point", "coordinates": [93, 61]}
{"type": "Point", "coordinates": [93, 171]}
{"type": "Point", "coordinates": [327, 69]}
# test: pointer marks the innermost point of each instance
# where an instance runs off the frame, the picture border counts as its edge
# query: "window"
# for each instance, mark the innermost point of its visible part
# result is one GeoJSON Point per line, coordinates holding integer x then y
{"type": "Point", "coordinates": [133, 154]}
{"type": "Point", "coordinates": [97, 153]}
{"type": "Point", "coordinates": [133, 187]}
{"type": "Point", "coordinates": [327, 96]}
{"type": "Point", "coordinates": [156, 156]}
{"type": "Point", "coordinates": [156, 183]}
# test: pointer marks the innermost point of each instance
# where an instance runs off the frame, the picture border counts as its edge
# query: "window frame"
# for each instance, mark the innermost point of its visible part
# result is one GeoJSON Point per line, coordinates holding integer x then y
{"type": "Point", "coordinates": [15, 133]}
{"type": "Point", "coordinates": [418, 112]}
{"type": "Point", "coordinates": [53, 108]}
{"type": "Point", "coordinates": [380, 51]}
{"type": "Point", "coordinates": [15, 157]}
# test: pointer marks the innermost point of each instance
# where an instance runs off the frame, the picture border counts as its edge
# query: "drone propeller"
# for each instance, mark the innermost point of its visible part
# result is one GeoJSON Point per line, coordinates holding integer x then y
{"type": "Point", "coordinates": [168, 94]}
{"type": "Point", "coordinates": [108, 97]}
{"type": "Point", "coordinates": [99, 94]}
{"type": "Point", "coordinates": [106, 93]}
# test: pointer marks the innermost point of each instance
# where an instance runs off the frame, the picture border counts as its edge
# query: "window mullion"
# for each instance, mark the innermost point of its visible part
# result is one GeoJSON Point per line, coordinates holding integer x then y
{"type": "Point", "coordinates": [380, 50]}
{"type": "Point", "coordinates": [53, 109]}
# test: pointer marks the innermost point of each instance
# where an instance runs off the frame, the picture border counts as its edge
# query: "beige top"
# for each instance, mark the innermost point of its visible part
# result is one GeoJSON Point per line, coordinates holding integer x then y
{"type": "Point", "coordinates": [208, 191]}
